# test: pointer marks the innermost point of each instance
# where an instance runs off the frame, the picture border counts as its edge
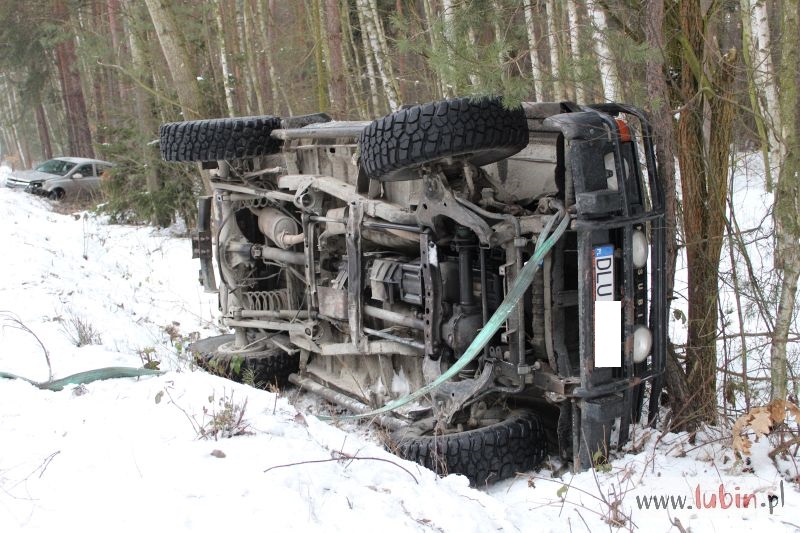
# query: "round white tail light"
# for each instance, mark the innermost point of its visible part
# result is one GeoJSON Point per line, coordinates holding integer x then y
{"type": "Point", "coordinates": [641, 249]}
{"type": "Point", "coordinates": [642, 342]}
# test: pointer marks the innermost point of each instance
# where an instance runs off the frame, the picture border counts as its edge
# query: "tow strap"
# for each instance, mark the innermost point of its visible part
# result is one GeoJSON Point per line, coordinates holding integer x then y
{"type": "Point", "coordinates": [111, 372]}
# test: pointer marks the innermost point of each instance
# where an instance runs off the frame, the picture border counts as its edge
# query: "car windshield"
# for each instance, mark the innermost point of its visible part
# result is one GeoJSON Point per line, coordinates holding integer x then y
{"type": "Point", "coordinates": [55, 166]}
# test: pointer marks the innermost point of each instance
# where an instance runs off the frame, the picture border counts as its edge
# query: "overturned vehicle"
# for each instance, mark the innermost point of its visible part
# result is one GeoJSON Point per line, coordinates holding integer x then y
{"type": "Point", "coordinates": [486, 282]}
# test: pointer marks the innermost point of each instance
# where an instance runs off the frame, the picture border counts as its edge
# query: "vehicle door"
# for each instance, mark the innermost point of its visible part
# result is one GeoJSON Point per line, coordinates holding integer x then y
{"type": "Point", "coordinates": [84, 179]}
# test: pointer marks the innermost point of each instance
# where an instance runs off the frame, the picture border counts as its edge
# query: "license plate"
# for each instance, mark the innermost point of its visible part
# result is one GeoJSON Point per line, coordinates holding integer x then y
{"type": "Point", "coordinates": [607, 311]}
{"type": "Point", "coordinates": [603, 273]}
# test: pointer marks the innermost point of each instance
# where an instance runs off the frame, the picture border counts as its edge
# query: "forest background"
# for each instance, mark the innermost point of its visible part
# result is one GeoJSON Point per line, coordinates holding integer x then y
{"type": "Point", "coordinates": [718, 78]}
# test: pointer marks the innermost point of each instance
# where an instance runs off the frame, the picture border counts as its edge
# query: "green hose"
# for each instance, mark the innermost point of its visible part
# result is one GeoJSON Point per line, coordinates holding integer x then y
{"type": "Point", "coordinates": [521, 284]}
{"type": "Point", "coordinates": [111, 372]}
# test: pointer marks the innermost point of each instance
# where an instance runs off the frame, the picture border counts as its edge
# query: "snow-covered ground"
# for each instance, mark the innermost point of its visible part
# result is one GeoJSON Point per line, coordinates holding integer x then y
{"type": "Point", "coordinates": [125, 454]}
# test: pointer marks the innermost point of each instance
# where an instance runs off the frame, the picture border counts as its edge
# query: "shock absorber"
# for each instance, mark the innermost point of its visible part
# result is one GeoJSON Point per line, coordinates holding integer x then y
{"type": "Point", "coordinates": [465, 245]}
{"type": "Point", "coordinates": [466, 315]}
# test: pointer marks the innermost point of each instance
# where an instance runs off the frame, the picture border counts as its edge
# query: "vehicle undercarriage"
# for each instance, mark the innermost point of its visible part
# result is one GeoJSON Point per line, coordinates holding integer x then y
{"type": "Point", "coordinates": [487, 283]}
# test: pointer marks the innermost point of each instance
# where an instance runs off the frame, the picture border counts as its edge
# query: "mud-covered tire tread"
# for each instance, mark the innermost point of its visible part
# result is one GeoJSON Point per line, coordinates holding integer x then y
{"type": "Point", "coordinates": [484, 455]}
{"type": "Point", "coordinates": [270, 367]}
{"type": "Point", "coordinates": [219, 139]}
{"type": "Point", "coordinates": [424, 133]}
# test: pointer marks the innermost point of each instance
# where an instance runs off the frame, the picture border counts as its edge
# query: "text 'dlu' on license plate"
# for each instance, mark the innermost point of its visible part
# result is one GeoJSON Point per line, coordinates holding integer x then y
{"type": "Point", "coordinates": [607, 311]}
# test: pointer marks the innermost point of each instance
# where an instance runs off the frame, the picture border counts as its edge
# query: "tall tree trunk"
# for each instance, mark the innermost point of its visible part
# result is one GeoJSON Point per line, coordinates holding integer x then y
{"type": "Point", "coordinates": [554, 40]}
{"type": "Point", "coordinates": [227, 75]}
{"type": "Point", "coordinates": [764, 74]}
{"type": "Point", "coordinates": [79, 133]}
{"type": "Point", "coordinates": [101, 80]}
{"type": "Point", "coordinates": [499, 36]}
{"type": "Point", "coordinates": [237, 51]}
{"type": "Point", "coordinates": [402, 57]}
{"type": "Point", "coordinates": [319, 54]}
{"type": "Point", "coordinates": [443, 81]}
{"type": "Point", "coordinates": [574, 30]}
{"type": "Point", "coordinates": [369, 60]}
{"type": "Point", "coordinates": [335, 57]}
{"type": "Point", "coordinates": [661, 115]}
{"type": "Point", "coordinates": [532, 12]}
{"type": "Point", "coordinates": [269, 31]}
{"type": "Point", "coordinates": [352, 61]}
{"type": "Point", "coordinates": [756, 41]}
{"type": "Point", "coordinates": [144, 105]}
{"type": "Point", "coordinates": [118, 88]}
{"type": "Point", "coordinates": [251, 51]}
{"type": "Point", "coordinates": [704, 154]}
{"type": "Point", "coordinates": [609, 78]}
{"type": "Point", "coordinates": [787, 197]}
{"type": "Point", "coordinates": [20, 146]}
{"type": "Point", "coordinates": [181, 65]}
{"type": "Point", "coordinates": [44, 132]}
{"type": "Point", "coordinates": [376, 38]}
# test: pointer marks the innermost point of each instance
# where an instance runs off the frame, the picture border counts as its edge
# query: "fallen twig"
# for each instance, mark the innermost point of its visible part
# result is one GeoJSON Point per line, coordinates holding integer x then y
{"type": "Point", "coordinates": [16, 323]}
{"type": "Point", "coordinates": [46, 462]}
{"type": "Point", "coordinates": [344, 457]}
{"type": "Point", "coordinates": [783, 447]}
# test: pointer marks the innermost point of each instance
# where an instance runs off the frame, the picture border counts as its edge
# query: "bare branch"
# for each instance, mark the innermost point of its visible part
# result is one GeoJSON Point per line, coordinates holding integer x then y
{"type": "Point", "coordinates": [14, 322]}
{"type": "Point", "coordinates": [340, 456]}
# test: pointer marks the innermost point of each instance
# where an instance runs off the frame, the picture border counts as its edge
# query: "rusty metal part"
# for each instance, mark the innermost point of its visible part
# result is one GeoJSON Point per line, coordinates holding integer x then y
{"type": "Point", "coordinates": [389, 422]}
{"type": "Point", "coordinates": [439, 201]}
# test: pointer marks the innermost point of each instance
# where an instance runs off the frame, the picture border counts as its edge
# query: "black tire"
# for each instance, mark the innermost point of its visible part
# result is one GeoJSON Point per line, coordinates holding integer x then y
{"type": "Point", "coordinates": [270, 366]}
{"type": "Point", "coordinates": [480, 130]}
{"type": "Point", "coordinates": [219, 139]}
{"type": "Point", "coordinates": [484, 455]}
{"type": "Point", "coordinates": [56, 194]}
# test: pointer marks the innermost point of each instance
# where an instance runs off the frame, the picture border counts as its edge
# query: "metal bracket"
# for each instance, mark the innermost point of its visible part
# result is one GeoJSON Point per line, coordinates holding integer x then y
{"type": "Point", "coordinates": [438, 200]}
{"type": "Point", "coordinates": [459, 393]}
{"type": "Point", "coordinates": [355, 215]}
{"type": "Point", "coordinates": [432, 283]}
{"type": "Point", "coordinates": [202, 247]}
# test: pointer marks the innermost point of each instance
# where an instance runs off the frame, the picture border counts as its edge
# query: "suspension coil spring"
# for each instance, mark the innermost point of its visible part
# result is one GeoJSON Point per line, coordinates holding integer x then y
{"type": "Point", "coordinates": [267, 300]}
{"type": "Point", "coordinates": [255, 203]}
